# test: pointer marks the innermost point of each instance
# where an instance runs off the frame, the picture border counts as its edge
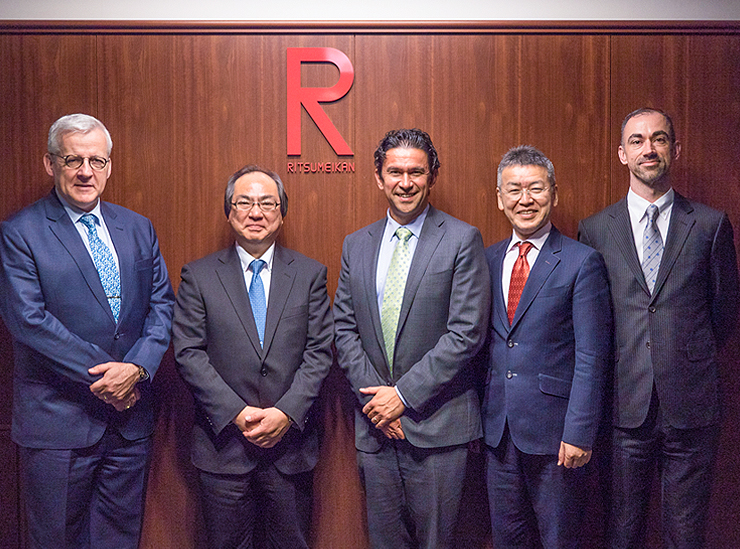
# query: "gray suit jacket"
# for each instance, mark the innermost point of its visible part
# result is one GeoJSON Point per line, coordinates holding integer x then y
{"type": "Point", "coordinates": [671, 338]}
{"type": "Point", "coordinates": [442, 326]}
{"type": "Point", "coordinates": [219, 356]}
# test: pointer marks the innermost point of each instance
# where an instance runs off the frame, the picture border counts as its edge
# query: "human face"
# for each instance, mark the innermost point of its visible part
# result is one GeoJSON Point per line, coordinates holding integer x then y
{"type": "Point", "coordinates": [647, 151]}
{"type": "Point", "coordinates": [83, 186]}
{"type": "Point", "coordinates": [406, 182]}
{"type": "Point", "coordinates": [531, 211]}
{"type": "Point", "coordinates": [255, 230]}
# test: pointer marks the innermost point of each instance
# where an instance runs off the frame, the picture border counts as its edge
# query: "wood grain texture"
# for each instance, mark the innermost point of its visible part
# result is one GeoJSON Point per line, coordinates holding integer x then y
{"type": "Point", "coordinates": [189, 104]}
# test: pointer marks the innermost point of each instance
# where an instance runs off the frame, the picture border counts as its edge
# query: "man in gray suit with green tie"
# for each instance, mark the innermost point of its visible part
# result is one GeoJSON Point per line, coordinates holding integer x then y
{"type": "Point", "coordinates": [411, 310]}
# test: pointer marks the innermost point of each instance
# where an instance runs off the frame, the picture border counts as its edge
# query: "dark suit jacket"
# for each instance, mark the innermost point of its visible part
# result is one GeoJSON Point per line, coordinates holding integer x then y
{"type": "Point", "coordinates": [219, 356]}
{"type": "Point", "coordinates": [55, 308]}
{"type": "Point", "coordinates": [441, 327]}
{"type": "Point", "coordinates": [548, 370]}
{"type": "Point", "coordinates": [672, 337]}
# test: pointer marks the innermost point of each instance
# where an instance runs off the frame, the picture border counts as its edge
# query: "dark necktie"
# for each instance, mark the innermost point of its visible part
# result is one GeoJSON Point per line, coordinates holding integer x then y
{"type": "Point", "coordinates": [105, 265]}
{"type": "Point", "coordinates": [257, 298]}
{"type": "Point", "coordinates": [519, 275]}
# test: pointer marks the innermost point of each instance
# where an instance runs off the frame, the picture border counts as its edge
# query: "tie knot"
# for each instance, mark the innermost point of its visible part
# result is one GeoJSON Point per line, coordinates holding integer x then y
{"type": "Point", "coordinates": [403, 234]}
{"type": "Point", "coordinates": [524, 248]}
{"type": "Point", "coordinates": [652, 213]}
{"type": "Point", "coordinates": [88, 220]}
{"type": "Point", "coordinates": [256, 266]}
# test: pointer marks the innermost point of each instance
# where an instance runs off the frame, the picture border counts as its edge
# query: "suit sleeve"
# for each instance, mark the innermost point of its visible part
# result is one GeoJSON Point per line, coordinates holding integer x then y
{"type": "Point", "coordinates": [592, 327]}
{"type": "Point", "coordinates": [218, 400]}
{"type": "Point", "coordinates": [467, 325]}
{"type": "Point", "coordinates": [317, 355]}
{"type": "Point", "coordinates": [351, 355]}
{"type": "Point", "coordinates": [23, 308]}
{"type": "Point", "coordinates": [724, 276]}
{"type": "Point", "coordinates": [149, 349]}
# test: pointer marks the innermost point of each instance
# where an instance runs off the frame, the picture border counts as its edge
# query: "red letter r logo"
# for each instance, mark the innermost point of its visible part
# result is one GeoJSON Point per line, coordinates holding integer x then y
{"type": "Point", "coordinates": [310, 97]}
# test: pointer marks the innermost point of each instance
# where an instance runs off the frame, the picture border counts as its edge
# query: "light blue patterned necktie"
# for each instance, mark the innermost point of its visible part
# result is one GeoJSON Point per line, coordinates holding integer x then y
{"type": "Point", "coordinates": [257, 298]}
{"type": "Point", "coordinates": [652, 248]}
{"type": "Point", "coordinates": [395, 284]}
{"type": "Point", "coordinates": [105, 264]}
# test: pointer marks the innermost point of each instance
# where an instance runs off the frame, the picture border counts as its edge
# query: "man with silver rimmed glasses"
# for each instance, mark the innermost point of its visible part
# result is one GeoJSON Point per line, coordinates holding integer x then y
{"type": "Point", "coordinates": [252, 336]}
{"type": "Point", "coordinates": [85, 294]}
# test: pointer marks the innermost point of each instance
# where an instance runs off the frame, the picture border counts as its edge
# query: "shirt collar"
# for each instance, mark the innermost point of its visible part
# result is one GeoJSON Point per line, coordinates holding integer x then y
{"type": "Point", "coordinates": [637, 205]}
{"type": "Point", "coordinates": [415, 226]}
{"type": "Point", "coordinates": [538, 239]}
{"type": "Point", "coordinates": [246, 258]}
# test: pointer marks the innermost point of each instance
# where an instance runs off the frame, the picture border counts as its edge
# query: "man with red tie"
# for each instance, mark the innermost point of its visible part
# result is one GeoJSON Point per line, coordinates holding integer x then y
{"type": "Point", "coordinates": [549, 340]}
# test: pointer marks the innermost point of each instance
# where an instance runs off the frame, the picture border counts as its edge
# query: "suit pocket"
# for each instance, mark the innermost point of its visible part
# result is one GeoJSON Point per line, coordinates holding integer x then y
{"type": "Point", "coordinates": [302, 310]}
{"type": "Point", "coordinates": [555, 291]}
{"type": "Point", "coordinates": [554, 386]}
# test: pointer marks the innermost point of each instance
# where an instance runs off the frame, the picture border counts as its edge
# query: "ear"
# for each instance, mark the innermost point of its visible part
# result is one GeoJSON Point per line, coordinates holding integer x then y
{"type": "Point", "coordinates": [499, 199]}
{"type": "Point", "coordinates": [49, 164]}
{"type": "Point", "coordinates": [622, 155]}
{"type": "Point", "coordinates": [676, 149]}
{"type": "Point", "coordinates": [554, 195]}
{"type": "Point", "coordinates": [379, 180]}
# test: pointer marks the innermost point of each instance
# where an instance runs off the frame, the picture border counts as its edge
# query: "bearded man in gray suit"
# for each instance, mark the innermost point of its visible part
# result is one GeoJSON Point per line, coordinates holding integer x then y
{"type": "Point", "coordinates": [411, 310]}
{"type": "Point", "coordinates": [674, 284]}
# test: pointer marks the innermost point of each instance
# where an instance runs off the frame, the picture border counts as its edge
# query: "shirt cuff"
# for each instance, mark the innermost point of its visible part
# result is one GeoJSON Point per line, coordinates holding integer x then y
{"type": "Point", "coordinates": [401, 397]}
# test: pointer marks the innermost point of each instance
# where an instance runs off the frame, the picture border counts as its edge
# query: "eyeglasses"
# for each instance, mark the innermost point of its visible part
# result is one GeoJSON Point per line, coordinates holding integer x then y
{"type": "Point", "coordinates": [516, 193]}
{"type": "Point", "coordinates": [265, 206]}
{"type": "Point", "coordinates": [414, 174]}
{"type": "Point", "coordinates": [74, 162]}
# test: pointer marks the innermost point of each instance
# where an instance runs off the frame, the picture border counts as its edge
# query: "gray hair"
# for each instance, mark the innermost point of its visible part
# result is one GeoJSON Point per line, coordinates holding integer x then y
{"type": "Point", "coordinates": [251, 168]}
{"type": "Point", "coordinates": [526, 155]}
{"type": "Point", "coordinates": [75, 123]}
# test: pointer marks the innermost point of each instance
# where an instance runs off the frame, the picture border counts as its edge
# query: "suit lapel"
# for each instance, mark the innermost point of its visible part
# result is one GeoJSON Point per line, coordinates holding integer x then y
{"type": "Point", "coordinates": [431, 234]}
{"type": "Point", "coordinates": [61, 225]}
{"type": "Point", "coordinates": [499, 303]}
{"type": "Point", "coordinates": [682, 219]}
{"type": "Point", "coordinates": [231, 276]}
{"type": "Point", "coordinates": [621, 230]}
{"type": "Point", "coordinates": [281, 283]}
{"type": "Point", "coordinates": [546, 262]}
{"type": "Point", "coordinates": [369, 272]}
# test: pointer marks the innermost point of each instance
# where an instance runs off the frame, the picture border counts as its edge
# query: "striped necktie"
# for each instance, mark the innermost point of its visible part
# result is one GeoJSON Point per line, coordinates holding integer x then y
{"type": "Point", "coordinates": [652, 248]}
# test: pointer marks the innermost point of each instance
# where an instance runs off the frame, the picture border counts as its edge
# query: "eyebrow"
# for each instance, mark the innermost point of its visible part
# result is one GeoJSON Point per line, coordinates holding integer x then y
{"type": "Point", "coordinates": [655, 134]}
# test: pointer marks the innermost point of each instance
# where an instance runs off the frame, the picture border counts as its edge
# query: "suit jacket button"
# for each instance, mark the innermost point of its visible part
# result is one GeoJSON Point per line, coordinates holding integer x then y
{"type": "Point", "coordinates": [509, 374]}
{"type": "Point", "coordinates": [263, 371]}
{"type": "Point", "coordinates": [510, 344]}
{"type": "Point", "coordinates": [651, 309]}
{"type": "Point", "coordinates": [117, 336]}
{"type": "Point", "coordinates": [647, 344]}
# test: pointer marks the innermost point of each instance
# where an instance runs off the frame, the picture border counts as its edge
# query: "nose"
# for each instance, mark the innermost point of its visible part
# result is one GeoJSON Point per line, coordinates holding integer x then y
{"type": "Point", "coordinates": [255, 211]}
{"type": "Point", "coordinates": [526, 197]}
{"type": "Point", "coordinates": [85, 170]}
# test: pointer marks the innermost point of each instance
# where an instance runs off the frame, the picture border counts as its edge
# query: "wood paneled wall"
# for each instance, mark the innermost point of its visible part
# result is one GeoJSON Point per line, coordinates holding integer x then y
{"type": "Point", "coordinates": [187, 105]}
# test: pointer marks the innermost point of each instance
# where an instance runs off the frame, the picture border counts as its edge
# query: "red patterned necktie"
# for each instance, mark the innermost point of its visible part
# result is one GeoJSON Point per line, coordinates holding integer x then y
{"type": "Point", "coordinates": [519, 275]}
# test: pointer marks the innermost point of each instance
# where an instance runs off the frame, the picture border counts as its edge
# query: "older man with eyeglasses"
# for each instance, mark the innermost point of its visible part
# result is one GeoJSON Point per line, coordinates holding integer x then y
{"type": "Point", "coordinates": [85, 294]}
{"type": "Point", "coordinates": [252, 336]}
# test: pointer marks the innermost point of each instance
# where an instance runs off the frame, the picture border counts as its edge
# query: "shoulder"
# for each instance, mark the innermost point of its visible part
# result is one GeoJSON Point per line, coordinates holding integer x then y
{"type": "Point", "coordinates": [210, 261]}
{"type": "Point", "coordinates": [297, 260]}
{"type": "Point", "coordinates": [31, 215]}
{"type": "Point", "coordinates": [599, 218]}
{"type": "Point", "coordinates": [496, 250]}
{"type": "Point", "coordinates": [121, 214]}
{"type": "Point", "coordinates": [448, 222]}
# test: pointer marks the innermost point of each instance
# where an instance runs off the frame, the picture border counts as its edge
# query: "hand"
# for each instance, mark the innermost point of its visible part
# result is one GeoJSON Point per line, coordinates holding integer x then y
{"type": "Point", "coordinates": [573, 457]}
{"type": "Point", "coordinates": [384, 407]}
{"type": "Point", "coordinates": [393, 430]}
{"type": "Point", "coordinates": [266, 426]}
{"type": "Point", "coordinates": [117, 387]}
{"type": "Point", "coordinates": [241, 419]}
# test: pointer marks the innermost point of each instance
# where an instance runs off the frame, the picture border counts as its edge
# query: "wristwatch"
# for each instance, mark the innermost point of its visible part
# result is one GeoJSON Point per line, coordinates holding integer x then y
{"type": "Point", "coordinates": [143, 374]}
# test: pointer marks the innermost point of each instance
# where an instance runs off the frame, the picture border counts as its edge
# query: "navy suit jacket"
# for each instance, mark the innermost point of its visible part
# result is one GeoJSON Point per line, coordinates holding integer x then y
{"type": "Point", "coordinates": [54, 306]}
{"type": "Point", "coordinates": [441, 327]}
{"type": "Point", "coordinates": [548, 369]}
{"type": "Point", "coordinates": [670, 338]}
{"type": "Point", "coordinates": [219, 356]}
